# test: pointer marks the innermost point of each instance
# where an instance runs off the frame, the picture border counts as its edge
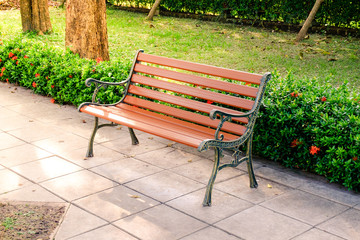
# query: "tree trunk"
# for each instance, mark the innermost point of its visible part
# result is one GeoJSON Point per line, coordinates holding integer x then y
{"type": "Point", "coordinates": [86, 30]}
{"type": "Point", "coordinates": [153, 10]}
{"type": "Point", "coordinates": [308, 21]}
{"type": "Point", "coordinates": [35, 16]}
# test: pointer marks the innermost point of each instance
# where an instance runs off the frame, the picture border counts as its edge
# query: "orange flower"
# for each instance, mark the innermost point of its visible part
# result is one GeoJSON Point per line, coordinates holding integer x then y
{"type": "Point", "coordinates": [209, 102]}
{"type": "Point", "coordinates": [34, 84]}
{"type": "Point", "coordinates": [0, 60]}
{"type": "Point", "coordinates": [52, 100]}
{"type": "Point", "coordinates": [314, 150]}
{"type": "Point", "coordinates": [26, 56]}
{"type": "Point", "coordinates": [14, 58]}
{"type": "Point", "coordinates": [37, 75]}
{"type": "Point", "coordinates": [295, 143]}
{"type": "Point", "coordinates": [70, 76]}
{"type": "Point", "coordinates": [52, 86]}
{"type": "Point", "coordinates": [323, 99]}
{"type": "Point", "coordinates": [355, 158]}
{"type": "Point", "coordinates": [99, 60]}
{"type": "Point", "coordinates": [3, 69]}
{"type": "Point", "coordinates": [17, 62]}
{"type": "Point", "coordinates": [294, 94]}
{"type": "Point", "coordinates": [7, 80]}
{"type": "Point", "coordinates": [11, 54]}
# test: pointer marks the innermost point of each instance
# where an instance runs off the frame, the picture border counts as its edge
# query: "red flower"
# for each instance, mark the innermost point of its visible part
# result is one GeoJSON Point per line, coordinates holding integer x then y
{"type": "Point", "coordinates": [7, 80]}
{"type": "Point", "coordinates": [47, 78]}
{"type": "Point", "coordinates": [17, 62]}
{"type": "Point", "coordinates": [31, 64]}
{"type": "Point", "coordinates": [26, 56]}
{"type": "Point", "coordinates": [70, 76]}
{"type": "Point", "coordinates": [295, 143]}
{"type": "Point", "coordinates": [1, 74]}
{"type": "Point", "coordinates": [14, 58]}
{"type": "Point", "coordinates": [294, 94]}
{"type": "Point", "coordinates": [355, 158]}
{"type": "Point", "coordinates": [93, 70]}
{"type": "Point", "coordinates": [248, 84]}
{"type": "Point", "coordinates": [323, 99]}
{"type": "Point", "coordinates": [209, 102]}
{"type": "Point", "coordinates": [99, 60]}
{"type": "Point", "coordinates": [37, 75]}
{"type": "Point", "coordinates": [52, 86]}
{"type": "Point", "coordinates": [11, 55]}
{"type": "Point", "coordinates": [34, 84]}
{"type": "Point", "coordinates": [0, 60]}
{"type": "Point", "coordinates": [314, 150]}
{"type": "Point", "coordinates": [3, 69]}
{"type": "Point", "coordinates": [52, 100]}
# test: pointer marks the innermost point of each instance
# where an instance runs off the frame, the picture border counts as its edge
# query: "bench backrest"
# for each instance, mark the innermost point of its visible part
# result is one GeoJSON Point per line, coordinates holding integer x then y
{"type": "Point", "coordinates": [189, 91]}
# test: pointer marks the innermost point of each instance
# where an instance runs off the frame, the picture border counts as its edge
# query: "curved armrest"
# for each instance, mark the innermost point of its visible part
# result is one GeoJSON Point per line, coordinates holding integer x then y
{"type": "Point", "coordinates": [103, 83]}
{"type": "Point", "coordinates": [216, 112]}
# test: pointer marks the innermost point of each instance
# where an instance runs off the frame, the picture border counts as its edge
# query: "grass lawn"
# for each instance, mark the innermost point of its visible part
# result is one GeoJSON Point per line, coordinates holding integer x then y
{"type": "Point", "coordinates": [239, 47]}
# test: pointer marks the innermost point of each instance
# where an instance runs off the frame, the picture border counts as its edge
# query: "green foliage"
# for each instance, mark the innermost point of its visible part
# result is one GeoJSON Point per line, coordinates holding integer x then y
{"type": "Point", "coordinates": [57, 73]}
{"type": "Point", "coordinates": [310, 126]}
{"type": "Point", "coordinates": [332, 12]}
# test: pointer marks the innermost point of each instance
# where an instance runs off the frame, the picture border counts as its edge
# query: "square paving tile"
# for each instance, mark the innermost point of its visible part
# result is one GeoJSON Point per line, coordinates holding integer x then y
{"type": "Point", "coordinates": [261, 223]}
{"type": "Point", "coordinates": [62, 143]}
{"type": "Point", "coordinates": [316, 234]}
{"type": "Point", "coordinates": [165, 186]}
{"type": "Point", "coordinates": [332, 192]}
{"type": "Point", "coordinates": [125, 170]}
{"type": "Point", "coordinates": [34, 106]}
{"type": "Point", "coordinates": [33, 193]}
{"type": "Point", "coordinates": [168, 157]}
{"type": "Point", "coordinates": [46, 168]}
{"type": "Point", "coordinates": [223, 205]}
{"type": "Point", "coordinates": [305, 207]}
{"type": "Point", "coordinates": [6, 113]}
{"type": "Point", "coordinates": [36, 132]}
{"type": "Point", "coordinates": [10, 181]}
{"type": "Point", "coordinates": [207, 154]}
{"type": "Point", "coordinates": [357, 207]}
{"type": "Point", "coordinates": [290, 180]}
{"type": "Point", "coordinates": [116, 203]}
{"type": "Point", "coordinates": [77, 221]}
{"type": "Point", "coordinates": [160, 222]}
{"type": "Point", "coordinates": [210, 233]}
{"type": "Point", "coordinates": [201, 171]}
{"type": "Point", "coordinates": [21, 154]}
{"type": "Point", "coordinates": [240, 187]}
{"type": "Point", "coordinates": [8, 141]}
{"type": "Point", "coordinates": [16, 122]}
{"type": "Point", "coordinates": [77, 185]}
{"type": "Point", "coordinates": [345, 225]}
{"type": "Point", "coordinates": [108, 232]}
{"type": "Point", "coordinates": [124, 145]}
{"type": "Point", "coordinates": [101, 156]}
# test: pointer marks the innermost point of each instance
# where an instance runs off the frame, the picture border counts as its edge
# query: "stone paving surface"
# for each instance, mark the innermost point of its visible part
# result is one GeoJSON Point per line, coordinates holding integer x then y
{"type": "Point", "coordinates": [154, 190]}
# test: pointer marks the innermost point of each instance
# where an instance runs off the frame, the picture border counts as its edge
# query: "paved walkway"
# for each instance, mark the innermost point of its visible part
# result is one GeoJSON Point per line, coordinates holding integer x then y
{"type": "Point", "coordinates": [154, 190]}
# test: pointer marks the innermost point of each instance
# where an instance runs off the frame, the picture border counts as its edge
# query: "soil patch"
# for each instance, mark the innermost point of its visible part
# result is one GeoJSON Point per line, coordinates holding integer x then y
{"type": "Point", "coordinates": [28, 220]}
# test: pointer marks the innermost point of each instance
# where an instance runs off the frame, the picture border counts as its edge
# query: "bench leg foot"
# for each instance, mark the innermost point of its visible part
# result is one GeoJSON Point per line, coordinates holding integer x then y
{"type": "Point", "coordinates": [253, 183]}
{"type": "Point", "coordinates": [207, 198]}
{"type": "Point", "coordinates": [134, 139]}
{"type": "Point", "coordinates": [90, 151]}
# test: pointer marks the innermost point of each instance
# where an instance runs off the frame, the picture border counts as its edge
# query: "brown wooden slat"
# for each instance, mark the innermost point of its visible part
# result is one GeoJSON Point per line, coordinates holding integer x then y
{"type": "Point", "coordinates": [187, 128]}
{"type": "Point", "coordinates": [195, 92]}
{"type": "Point", "coordinates": [180, 101]}
{"type": "Point", "coordinates": [201, 68]}
{"type": "Point", "coordinates": [198, 80]}
{"type": "Point", "coordinates": [186, 115]}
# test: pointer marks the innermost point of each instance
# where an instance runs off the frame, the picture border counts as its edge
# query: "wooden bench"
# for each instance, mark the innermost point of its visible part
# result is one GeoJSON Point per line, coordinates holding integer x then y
{"type": "Point", "coordinates": [197, 105]}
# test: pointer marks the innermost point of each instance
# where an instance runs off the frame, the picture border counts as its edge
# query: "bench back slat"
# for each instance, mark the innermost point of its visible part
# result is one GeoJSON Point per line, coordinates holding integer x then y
{"type": "Point", "coordinates": [180, 101]}
{"type": "Point", "coordinates": [197, 80]}
{"type": "Point", "coordinates": [201, 68]}
{"type": "Point", "coordinates": [195, 92]}
{"type": "Point", "coordinates": [186, 115]}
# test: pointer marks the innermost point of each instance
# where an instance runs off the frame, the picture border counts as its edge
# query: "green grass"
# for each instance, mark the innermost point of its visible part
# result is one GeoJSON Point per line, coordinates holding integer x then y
{"type": "Point", "coordinates": [244, 48]}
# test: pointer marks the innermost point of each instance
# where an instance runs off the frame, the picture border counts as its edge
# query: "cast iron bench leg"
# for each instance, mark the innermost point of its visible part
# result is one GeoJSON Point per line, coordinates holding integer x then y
{"type": "Point", "coordinates": [90, 151]}
{"type": "Point", "coordinates": [134, 139]}
{"type": "Point", "coordinates": [207, 199]}
{"type": "Point", "coordinates": [253, 183]}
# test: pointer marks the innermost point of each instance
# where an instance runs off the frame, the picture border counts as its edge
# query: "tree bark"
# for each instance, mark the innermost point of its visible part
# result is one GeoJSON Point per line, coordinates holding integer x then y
{"type": "Point", "coordinates": [86, 30]}
{"type": "Point", "coordinates": [308, 21]}
{"type": "Point", "coordinates": [153, 10]}
{"type": "Point", "coordinates": [35, 16]}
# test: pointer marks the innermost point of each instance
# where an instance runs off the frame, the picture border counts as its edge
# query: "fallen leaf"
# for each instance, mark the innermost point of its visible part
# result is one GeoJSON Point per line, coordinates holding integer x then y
{"type": "Point", "coordinates": [269, 186]}
{"type": "Point", "coordinates": [190, 160]}
{"type": "Point", "coordinates": [118, 128]}
{"type": "Point", "coordinates": [170, 144]}
{"type": "Point", "coordinates": [151, 138]}
{"type": "Point", "coordinates": [84, 121]}
{"type": "Point", "coordinates": [135, 196]}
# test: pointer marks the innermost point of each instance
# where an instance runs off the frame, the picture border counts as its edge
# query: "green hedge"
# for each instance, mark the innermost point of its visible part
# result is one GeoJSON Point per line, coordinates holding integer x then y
{"type": "Point", "coordinates": [332, 12]}
{"type": "Point", "coordinates": [302, 124]}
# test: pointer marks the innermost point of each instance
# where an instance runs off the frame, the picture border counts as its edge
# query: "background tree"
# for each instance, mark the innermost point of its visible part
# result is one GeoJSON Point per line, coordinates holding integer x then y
{"type": "Point", "coordinates": [35, 16]}
{"type": "Point", "coordinates": [308, 21]}
{"type": "Point", "coordinates": [153, 10]}
{"type": "Point", "coordinates": [86, 30]}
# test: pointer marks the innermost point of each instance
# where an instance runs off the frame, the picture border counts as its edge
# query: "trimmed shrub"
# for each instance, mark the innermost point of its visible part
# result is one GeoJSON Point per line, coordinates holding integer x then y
{"type": "Point", "coordinates": [313, 127]}
{"type": "Point", "coordinates": [302, 124]}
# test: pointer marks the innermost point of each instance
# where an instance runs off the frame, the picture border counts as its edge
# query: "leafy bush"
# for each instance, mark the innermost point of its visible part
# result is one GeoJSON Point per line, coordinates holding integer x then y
{"type": "Point", "coordinates": [313, 127]}
{"type": "Point", "coordinates": [332, 12]}
{"type": "Point", "coordinates": [302, 124]}
{"type": "Point", "coordinates": [57, 73]}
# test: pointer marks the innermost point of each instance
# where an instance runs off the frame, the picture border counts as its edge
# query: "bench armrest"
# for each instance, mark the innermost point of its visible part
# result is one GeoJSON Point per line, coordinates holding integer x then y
{"type": "Point", "coordinates": [98, 85]}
